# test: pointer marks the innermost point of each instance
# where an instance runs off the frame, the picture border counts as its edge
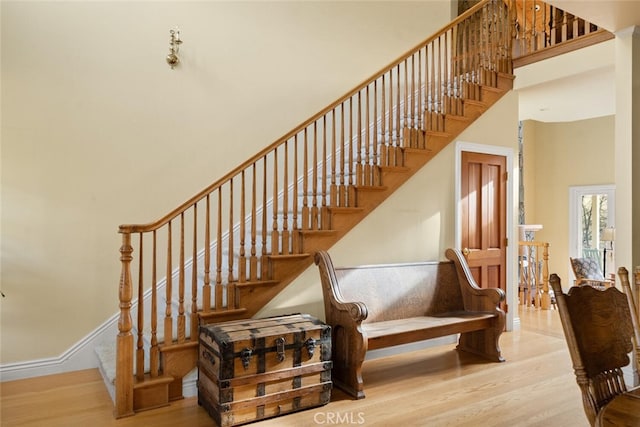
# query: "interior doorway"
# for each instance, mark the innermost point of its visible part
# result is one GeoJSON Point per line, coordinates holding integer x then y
{"type": "Point", "coordinates": [483, 216]}
{"type": "Point", "coordinates": [507, 252]}
{"type": "Point", "coordinates": [592, 224]}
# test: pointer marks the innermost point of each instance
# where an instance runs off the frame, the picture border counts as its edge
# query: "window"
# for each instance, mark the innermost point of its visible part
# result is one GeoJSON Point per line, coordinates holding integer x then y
{"type": "Point", "coordinates": [591, 211]}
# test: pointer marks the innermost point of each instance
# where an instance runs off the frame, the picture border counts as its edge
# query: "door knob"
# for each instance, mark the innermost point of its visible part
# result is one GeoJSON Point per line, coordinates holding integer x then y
{"type": "Point", "coordinates": [466, 251]}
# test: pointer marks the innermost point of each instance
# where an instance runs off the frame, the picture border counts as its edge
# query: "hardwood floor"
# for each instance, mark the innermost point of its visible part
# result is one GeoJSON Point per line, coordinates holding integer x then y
{"type": "Point", "coordinates": [433, 387]}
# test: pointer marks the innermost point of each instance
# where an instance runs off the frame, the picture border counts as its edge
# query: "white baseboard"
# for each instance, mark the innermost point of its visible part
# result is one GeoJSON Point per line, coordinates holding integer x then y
{"type": "Point", "coordinates": [190, 384]}
{"type": "Point", "coordinates": [516, 324]}
{"type": "Point", "coordinates": [80, 356]}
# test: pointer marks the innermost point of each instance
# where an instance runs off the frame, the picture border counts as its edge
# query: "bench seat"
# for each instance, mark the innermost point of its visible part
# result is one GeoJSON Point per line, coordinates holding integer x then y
{"type": "Point", "coordinates": [377, 306]}
{"type": "Point", "coordinates": [422, 328]}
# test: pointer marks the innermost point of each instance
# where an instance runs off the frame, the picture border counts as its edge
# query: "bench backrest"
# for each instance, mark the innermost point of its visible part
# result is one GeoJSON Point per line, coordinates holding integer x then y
{"type": "Point", "coordinates": [398, 291]}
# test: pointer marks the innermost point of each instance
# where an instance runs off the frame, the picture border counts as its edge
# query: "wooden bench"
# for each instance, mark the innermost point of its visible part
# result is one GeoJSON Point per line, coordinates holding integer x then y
{"type": "Point", "coordinates": [377, 306]}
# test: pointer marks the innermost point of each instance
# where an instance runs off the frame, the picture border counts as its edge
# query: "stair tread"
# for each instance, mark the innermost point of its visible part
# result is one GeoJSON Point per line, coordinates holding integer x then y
{"type": "Point", "coordinates": [251, 282]}
{"type": "Point", "coordinates": [149, 381]}
{"type": "Point", "coordinates": [476, 102]}
{"type": "Point", "coordinates": [345, 209]}
{"type": "Point", "coordinates": [187, 343]}
{"type": "Point", "coordinates": [414, 151]}
{"type": "Point", "coordinates": [492, 89]}
{"type": "Point", "coordinates": [257, 284]}
{"type": "Point", "coordinates": [317, 231]}
{"type": "Point", "coordinates": [438, 133]}
{"type": "Point", "coordinates": [458, 117]}
{"type": "Point", "coordinates": [223, 312]}
{"type": "Point", "coordinates": [371, 187]}
{"type": "Point", "coordinates": [292, 256]}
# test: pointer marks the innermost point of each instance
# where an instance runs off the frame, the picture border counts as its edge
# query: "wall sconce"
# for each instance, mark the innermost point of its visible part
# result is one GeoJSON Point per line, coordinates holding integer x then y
{"type": "Point", "coordinates": [174, 48]}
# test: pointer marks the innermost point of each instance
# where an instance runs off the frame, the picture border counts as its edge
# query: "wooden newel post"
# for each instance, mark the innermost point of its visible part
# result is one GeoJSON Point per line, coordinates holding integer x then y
{"type": "Point", "coordinates": [124, 342]}
{"type": "Point", "coordinates": [546, 298]}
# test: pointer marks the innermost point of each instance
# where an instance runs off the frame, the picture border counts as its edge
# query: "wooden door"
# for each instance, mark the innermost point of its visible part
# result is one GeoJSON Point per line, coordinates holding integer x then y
{"type": "Point", "coordinates": [483, 215]}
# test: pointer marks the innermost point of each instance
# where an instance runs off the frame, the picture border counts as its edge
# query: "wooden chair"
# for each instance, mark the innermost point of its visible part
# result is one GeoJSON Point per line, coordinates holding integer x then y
{"type": "Point", "coordinates": [632, 299]}
{"type": "Point", "coordinates": [598, 328]}
{"type": "Point", "coordinates": [588, 272]}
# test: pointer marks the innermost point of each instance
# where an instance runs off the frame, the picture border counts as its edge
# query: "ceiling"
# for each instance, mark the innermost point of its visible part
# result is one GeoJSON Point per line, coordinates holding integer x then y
{"type": "Point", "coordinates": [547, 93]}
{"type": "Point", "coordinates": [582, 96]}
{"type": "Point", "coordinates": [613, 15]}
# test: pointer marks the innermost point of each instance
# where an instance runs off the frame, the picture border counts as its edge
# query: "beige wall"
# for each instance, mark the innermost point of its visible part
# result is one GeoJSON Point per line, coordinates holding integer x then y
{"type": "Point", "coordinates": [97, 130]}
{"type": "Point", "coordinates": [558, 156]}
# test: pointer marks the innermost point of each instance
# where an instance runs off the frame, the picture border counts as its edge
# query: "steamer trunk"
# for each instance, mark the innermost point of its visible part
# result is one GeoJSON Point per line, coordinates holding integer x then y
{"type": "Point", "coordinates": [254, 369]}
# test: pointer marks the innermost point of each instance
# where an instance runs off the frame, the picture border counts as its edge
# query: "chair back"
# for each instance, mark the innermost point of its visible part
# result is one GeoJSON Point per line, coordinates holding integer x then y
{"type": "Point", "coordinates": [588, 272]}
{"type": "Point", "coordinates": [632, 299]}
{"type": "Point", "coordinates": [586, 268]}
{"type": "Point", "coordinates": [598, 328]}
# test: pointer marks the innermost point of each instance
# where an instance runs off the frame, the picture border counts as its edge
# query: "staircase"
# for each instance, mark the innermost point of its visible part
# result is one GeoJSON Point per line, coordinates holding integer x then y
{"type": "Point", "coordinates": [230, 249]}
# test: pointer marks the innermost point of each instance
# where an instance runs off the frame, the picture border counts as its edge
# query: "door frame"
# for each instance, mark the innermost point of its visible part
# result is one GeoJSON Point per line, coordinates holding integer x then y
{"type": "Point", "coordinates": [512, 320]}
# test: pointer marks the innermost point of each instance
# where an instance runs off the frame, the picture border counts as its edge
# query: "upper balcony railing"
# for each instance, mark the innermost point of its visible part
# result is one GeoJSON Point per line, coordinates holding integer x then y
{"type": "Point", "coordinates": [543, 31]}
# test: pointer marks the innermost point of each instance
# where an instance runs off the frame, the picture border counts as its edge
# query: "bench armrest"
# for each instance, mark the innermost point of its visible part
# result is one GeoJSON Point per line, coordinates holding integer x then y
{"type": "Point", "coordinates": [348, 337]}
{"type": "Point", "coordinates": [474, 297]}
{"type": "Point", "coordinates": [335, 306]}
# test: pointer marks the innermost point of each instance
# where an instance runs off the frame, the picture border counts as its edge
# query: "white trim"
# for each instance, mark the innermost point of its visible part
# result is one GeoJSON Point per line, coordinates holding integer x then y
{"type": "Point", "coordinates": [507, 152]}
{"type": "Point", "coordinates": [80, 356]}
{"type": "Point", "coordinates": [516, 324]}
